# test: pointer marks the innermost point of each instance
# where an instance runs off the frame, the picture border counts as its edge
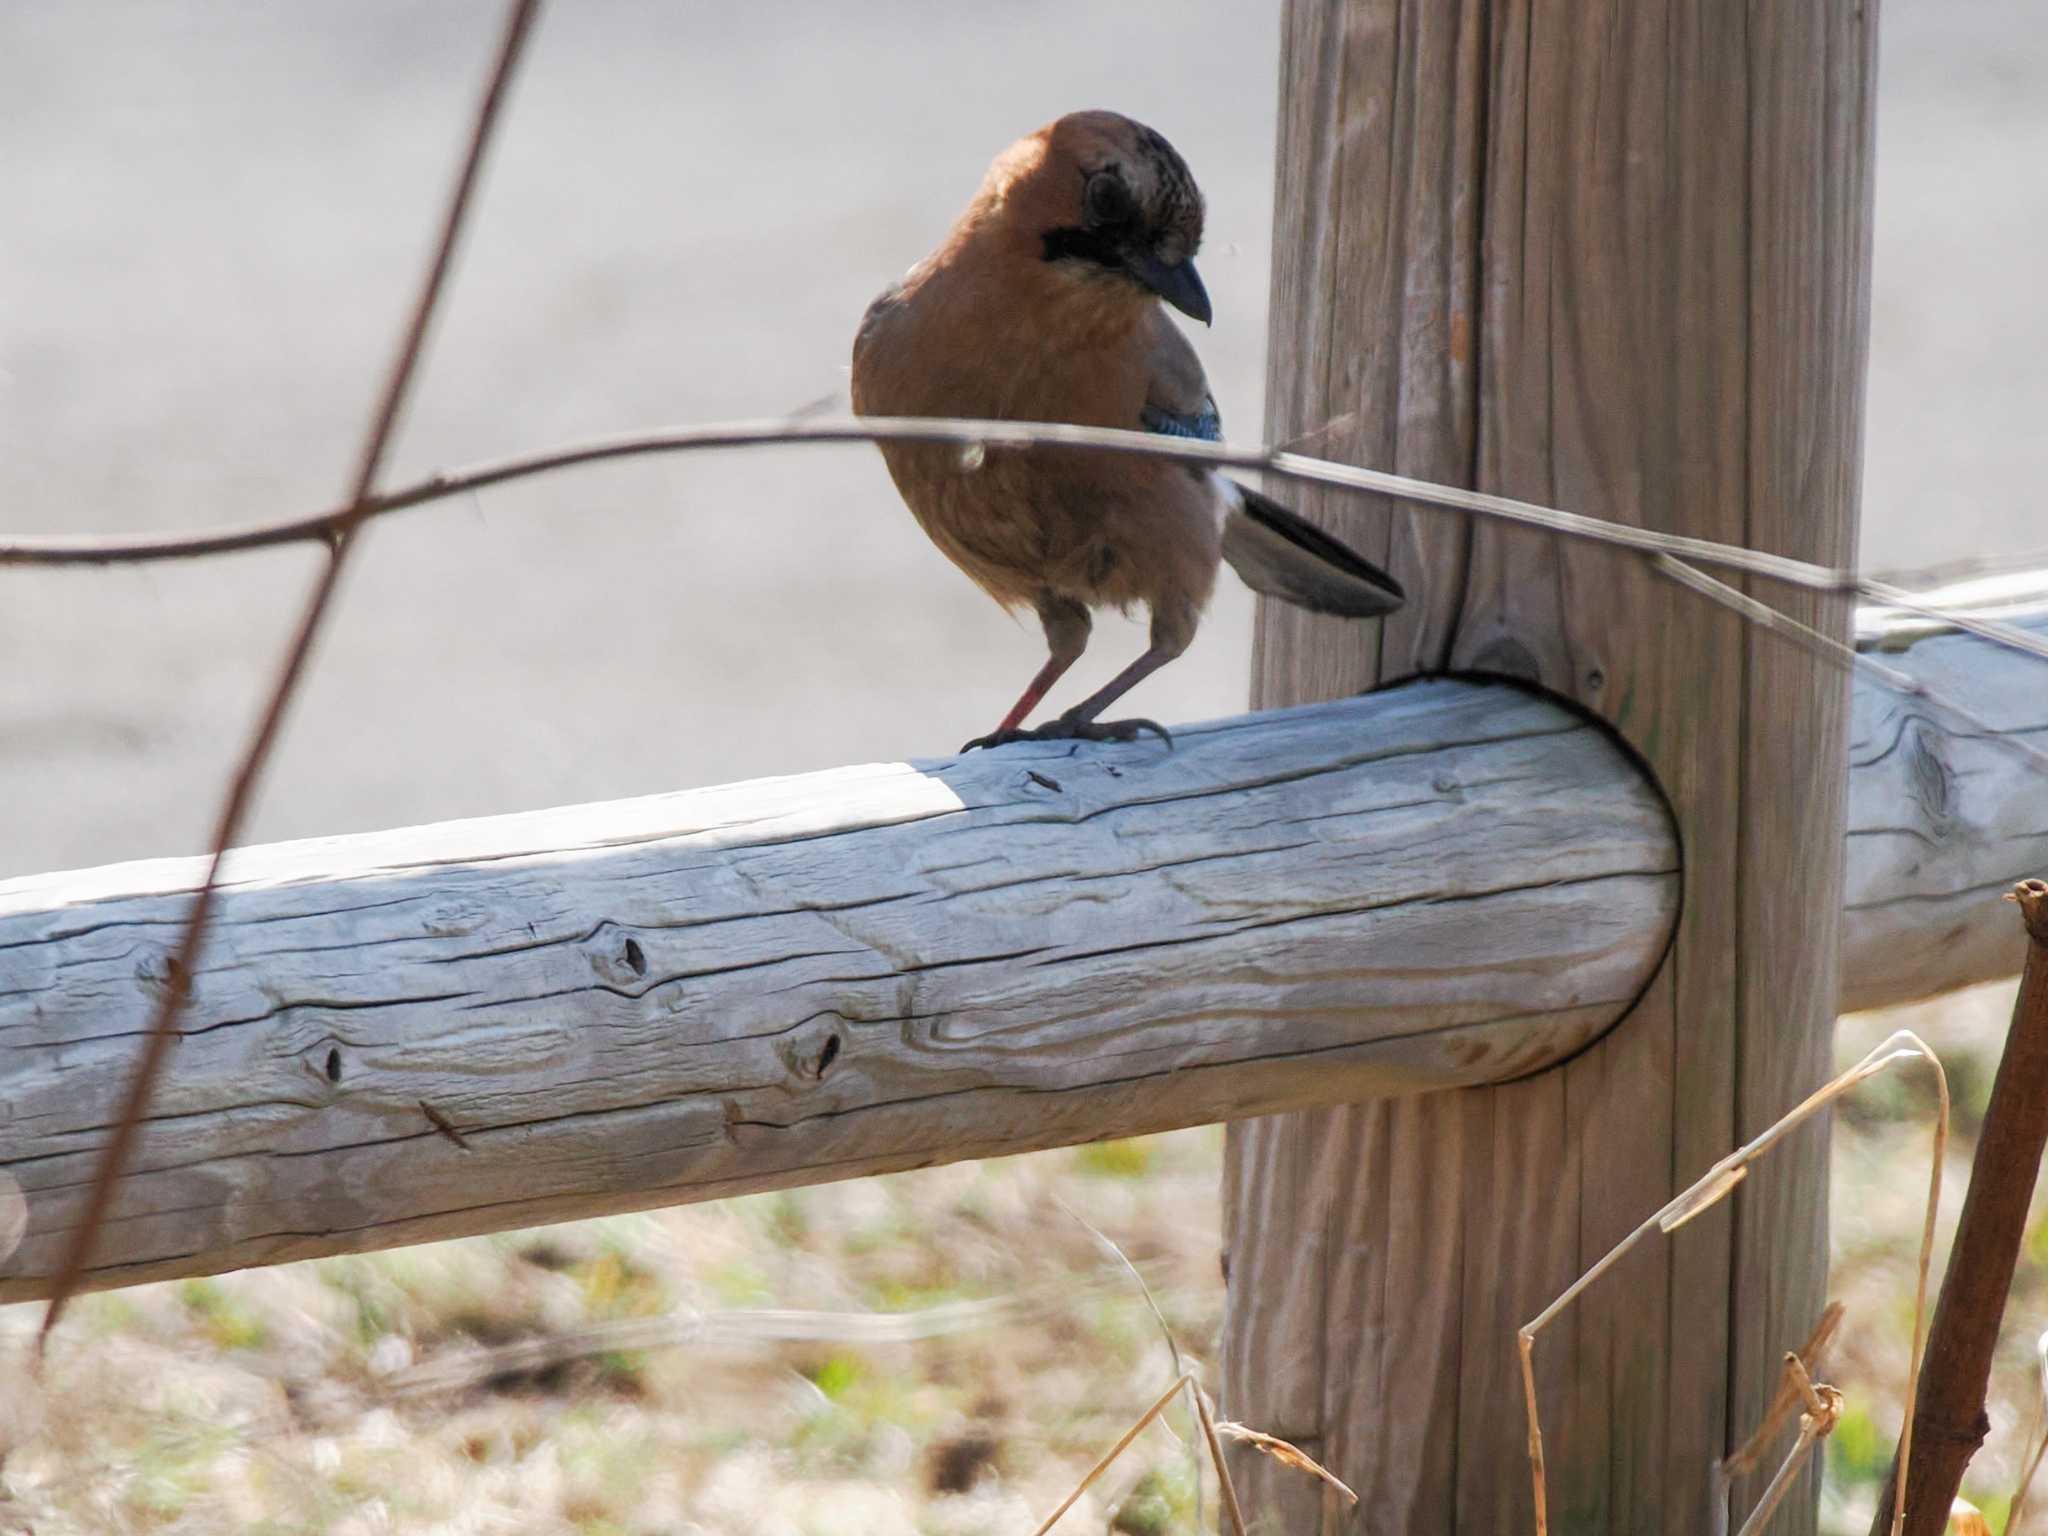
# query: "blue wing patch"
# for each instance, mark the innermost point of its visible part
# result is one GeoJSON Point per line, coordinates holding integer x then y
{"type": "Point", "coordinates": [1205, 424]}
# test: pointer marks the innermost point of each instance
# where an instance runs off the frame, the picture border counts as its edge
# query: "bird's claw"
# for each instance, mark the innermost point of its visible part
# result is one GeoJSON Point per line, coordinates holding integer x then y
{"type": "Point", "coordinates": [1064, 729]}
{"type": "Point", "coordinates": [1115, 730]}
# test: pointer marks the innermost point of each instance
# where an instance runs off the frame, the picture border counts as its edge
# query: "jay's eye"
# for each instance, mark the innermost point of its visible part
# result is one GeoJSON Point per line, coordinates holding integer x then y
{"type": "Point", "coordinates": [1108, 200]}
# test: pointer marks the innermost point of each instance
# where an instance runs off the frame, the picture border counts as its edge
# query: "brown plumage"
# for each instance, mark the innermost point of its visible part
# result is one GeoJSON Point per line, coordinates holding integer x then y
{"type": "Point", "coordinates": [1043, 304]}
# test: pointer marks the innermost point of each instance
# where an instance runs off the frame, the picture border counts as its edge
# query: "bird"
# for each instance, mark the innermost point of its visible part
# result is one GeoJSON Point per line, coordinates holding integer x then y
{"type": "Point", "coordinates": [1046, 302]}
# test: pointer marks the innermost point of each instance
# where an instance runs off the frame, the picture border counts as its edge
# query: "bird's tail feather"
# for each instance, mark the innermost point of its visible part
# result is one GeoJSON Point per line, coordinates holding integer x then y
{"type": "Point", "coordinates": [1288, 557]}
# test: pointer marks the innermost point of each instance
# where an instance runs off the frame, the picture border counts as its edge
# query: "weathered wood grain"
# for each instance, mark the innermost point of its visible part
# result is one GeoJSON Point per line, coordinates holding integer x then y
{"type": "Point", "coordinates": [1610, 258]}
{"type": "Point", "coordinates": [543, 981]}
{"type": "Point", "coordinates": [1944, 814]}
{"type": "Point", "coordinates": [488, 1024]}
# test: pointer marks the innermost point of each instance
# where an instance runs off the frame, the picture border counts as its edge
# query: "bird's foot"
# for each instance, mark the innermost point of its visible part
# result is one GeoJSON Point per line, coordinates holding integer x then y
{"type": "Point", "coordinates": [1064, 729]}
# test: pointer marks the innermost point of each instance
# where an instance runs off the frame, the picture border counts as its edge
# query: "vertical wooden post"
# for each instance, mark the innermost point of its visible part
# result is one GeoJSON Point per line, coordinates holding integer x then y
{"type": "Point", "coordinates": [1614, 258]}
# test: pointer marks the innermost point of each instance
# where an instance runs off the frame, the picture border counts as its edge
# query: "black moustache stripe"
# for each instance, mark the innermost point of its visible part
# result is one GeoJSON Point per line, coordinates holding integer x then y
{"type": "Point", "coordinates": [1084, 245]}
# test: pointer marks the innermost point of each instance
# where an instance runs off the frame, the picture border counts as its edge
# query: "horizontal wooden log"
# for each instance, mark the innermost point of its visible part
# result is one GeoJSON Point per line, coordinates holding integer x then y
{"type": "Point", "coordinates": [488, 1024]}
{"type": "Point", "coordinates": [1946, 812]}
{"type": "Point", "coordinates": [761, 985]}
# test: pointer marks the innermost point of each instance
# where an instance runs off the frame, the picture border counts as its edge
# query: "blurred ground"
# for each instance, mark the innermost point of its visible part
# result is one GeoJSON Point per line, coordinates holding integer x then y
{"type": "Point", "coordinates": [213, 214]}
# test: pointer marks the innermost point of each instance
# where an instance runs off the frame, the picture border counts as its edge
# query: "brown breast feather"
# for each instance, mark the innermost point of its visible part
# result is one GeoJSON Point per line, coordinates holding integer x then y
{"type": "Point", "coordinates": [998, 333]}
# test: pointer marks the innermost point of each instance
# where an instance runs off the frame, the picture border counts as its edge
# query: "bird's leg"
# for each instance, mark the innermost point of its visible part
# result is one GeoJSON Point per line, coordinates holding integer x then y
{"type": "Point", "coordinates": [1080, 722]}
{"type": "Point", "coordinates": [1050, 673]}
{"type": "Point", "coordinates": [1172, 629]}
{"type": "Point", "coordinates": [1066, 624]}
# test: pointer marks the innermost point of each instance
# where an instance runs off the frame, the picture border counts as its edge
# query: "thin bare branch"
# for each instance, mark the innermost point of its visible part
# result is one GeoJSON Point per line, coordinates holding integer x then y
{"type": "Point", "coordinates": [73, 549]}
{"type": "Point", "coordinates": [986, 435]}
{"type": "Point", "coordinates": [1764, 616]}
{"type": "Point", "coordinates": [2002, 631]}
{"type": "Point", "coordinates": [1947, 1412]}
{"type": "Point", "coordinates": [1839, 654]}
{"type": "Point", "coordinates": [360, 505]}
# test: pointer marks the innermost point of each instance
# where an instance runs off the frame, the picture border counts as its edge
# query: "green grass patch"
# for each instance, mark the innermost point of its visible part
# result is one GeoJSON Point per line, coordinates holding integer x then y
{"type": "Point", "coordinates": [225, 1320]}
{"type": "Point", "coordinates": [1161, 1503]}
{"type": "Point", "coordinates": [1127, 1158]}
{"type": "Point", "coordinates": [1858, 1451]}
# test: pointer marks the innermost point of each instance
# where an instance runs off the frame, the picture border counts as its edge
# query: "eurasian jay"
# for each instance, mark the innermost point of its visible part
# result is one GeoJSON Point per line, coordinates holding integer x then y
{"type": "Point", "coordinates": [1042, 304]}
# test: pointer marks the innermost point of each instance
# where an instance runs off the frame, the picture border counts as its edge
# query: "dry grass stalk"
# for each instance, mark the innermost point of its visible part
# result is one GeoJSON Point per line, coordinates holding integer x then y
{"type": "Point", "coordinates": [1180, 1366]}
{"type": "Point", "coordinates": [1204, 1412]}
{"type": "Point", "coordinates": [1789, 1398]}
{"type": "Point", "coordinates": [1215, 1430]}
{"type": "Point", "coordinates": [1823, 1411]}
{"type": "Point", "coordinates": [76, 549]}
{"type": "Point", "coordinates": [1144, 1290]}
{"type": "Point", "coordinates": [2040, 1439]}
{"type": "Point", "coordinates": [1110, 1455]}
{"type": "Point", "coordinates": [1833, 651]}
{"type": "Point", "coordinates": [1713, 1186]}
{"type": "Point", "coordinates": [1286, 1453]}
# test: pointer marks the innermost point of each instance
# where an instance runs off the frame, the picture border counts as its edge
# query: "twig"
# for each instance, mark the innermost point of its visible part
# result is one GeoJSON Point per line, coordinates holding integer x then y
{"type": "Point", "coordinates": [1208, 1420]}
{"type": "Point", "coordinates": [77, 549]}
{"type": "Point", "coordinates": [1115, 1451]}
{"type": "Point", "coordinates": [1712, 1187]}
{"type": "Point", "coordinates": [339, 534]}
{"type": "Point", "coordinates": [1742, 1462]}
{"type": "Point", "coordinates": [2014, 1514]}
{"type": "Point", "coordinates": [81, 549]}
{"type": "Point", "coordinates": [1947, 1422]}
{"type": "Point", "coordinates": [2020, 592]}
{"type": "Point", "coordinates": [1823, 1406]}
{"type": "Point", "coordinates": [1764, 616]}
{"type": "Point", "coordinates": [1839, 654]}
{"type": "Point", "coordinates": [2003, 632]}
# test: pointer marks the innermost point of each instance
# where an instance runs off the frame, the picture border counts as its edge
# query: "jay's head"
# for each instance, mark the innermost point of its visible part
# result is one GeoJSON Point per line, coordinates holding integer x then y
{"type": "Point", "coordinates": [1104, 200]}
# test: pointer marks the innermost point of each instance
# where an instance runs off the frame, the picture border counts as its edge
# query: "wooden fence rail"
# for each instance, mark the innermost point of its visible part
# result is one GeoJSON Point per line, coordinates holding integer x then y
{"type": "Point", "coordinates": [1944, 813]}
{"type": "Point", "coordinates": [455, 1029]}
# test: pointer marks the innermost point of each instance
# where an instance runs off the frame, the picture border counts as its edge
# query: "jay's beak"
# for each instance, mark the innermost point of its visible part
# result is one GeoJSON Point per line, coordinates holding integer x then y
{"type": "Point", "coordinates": [1180, 285]}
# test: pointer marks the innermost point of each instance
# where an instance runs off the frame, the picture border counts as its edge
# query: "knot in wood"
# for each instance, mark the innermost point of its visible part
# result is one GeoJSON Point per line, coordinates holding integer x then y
{"type": "Point", "coordinates": [1508, 657]}
{"type": "Point", "coordinates": [1969, 1435]}
{"type": "Point", "coordinates": [1930, 780]}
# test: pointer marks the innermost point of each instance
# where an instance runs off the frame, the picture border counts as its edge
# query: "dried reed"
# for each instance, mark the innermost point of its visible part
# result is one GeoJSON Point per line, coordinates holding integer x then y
{"type": "Point", "coordinates": [1713, 1186]}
